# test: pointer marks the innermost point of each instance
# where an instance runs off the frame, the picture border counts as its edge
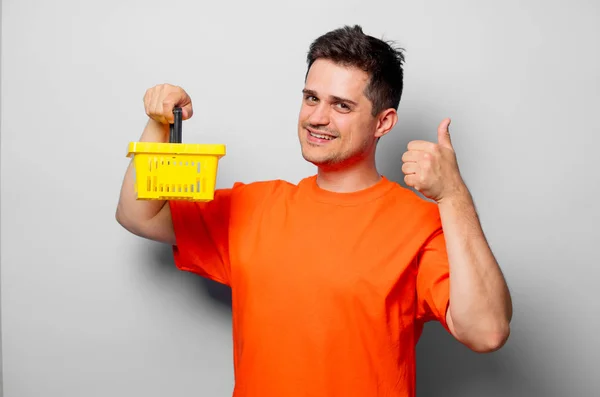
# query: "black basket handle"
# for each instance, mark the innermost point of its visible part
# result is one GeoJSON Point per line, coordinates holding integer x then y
{"type": "Point", "coordinates": [175, 128]}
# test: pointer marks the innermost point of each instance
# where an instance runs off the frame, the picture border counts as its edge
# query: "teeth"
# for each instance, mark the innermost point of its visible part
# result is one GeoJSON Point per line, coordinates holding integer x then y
{"type": "Point", "coordinates": [321, 136]}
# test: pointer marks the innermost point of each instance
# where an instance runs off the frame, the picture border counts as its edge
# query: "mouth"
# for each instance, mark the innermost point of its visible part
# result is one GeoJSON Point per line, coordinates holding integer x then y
{"type": "Point", "coordinates": [319, 137]}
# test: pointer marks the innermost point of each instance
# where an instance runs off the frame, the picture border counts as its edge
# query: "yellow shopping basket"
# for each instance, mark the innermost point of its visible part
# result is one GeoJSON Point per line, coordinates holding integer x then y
{"type": "Point", "coordinates": [174, 170]}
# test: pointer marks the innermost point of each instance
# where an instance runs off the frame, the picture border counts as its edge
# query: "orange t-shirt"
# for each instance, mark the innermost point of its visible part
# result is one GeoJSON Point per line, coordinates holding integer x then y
{"type": "Point", "coordinates": [329, 290]}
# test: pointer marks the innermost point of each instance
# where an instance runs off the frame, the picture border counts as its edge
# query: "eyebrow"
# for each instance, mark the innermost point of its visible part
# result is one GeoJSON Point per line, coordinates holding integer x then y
{"type": "Point", "coordinates": [335, 98]}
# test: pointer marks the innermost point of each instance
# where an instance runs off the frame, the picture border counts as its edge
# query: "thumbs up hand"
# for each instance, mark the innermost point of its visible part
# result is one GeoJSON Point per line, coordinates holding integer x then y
{"type": "Point", "coordinates": [432, 168]}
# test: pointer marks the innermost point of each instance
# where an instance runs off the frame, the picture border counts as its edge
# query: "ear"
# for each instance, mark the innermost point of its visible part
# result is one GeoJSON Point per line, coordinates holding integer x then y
{"type": "Point", "coordinates": [386, 120]}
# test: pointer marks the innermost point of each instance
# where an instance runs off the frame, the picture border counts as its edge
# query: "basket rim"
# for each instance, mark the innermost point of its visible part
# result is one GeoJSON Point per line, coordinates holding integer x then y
{"type": "Point", "coordinates": [176, 148]}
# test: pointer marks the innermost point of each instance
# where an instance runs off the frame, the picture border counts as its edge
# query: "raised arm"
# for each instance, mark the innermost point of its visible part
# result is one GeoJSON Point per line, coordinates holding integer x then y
{"type": "Point", "coordinates": [151, 219]}
{"type": "Point", "coordinates": [480, 309]}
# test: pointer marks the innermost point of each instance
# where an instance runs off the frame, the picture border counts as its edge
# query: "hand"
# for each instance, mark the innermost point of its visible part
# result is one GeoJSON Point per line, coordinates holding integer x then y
{"type": "Point", "coordinates": [432, 168]}
{"type": "Point", "coordinates": [160, 100]}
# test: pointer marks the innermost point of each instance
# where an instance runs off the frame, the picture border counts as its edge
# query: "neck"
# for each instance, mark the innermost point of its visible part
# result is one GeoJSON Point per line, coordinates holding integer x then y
{"type": "Point", "coordinates": [347, 179]}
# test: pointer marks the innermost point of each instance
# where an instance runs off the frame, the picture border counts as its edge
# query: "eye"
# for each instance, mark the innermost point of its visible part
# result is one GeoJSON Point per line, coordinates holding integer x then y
{"type": "Point", "coordinates": [342, 106]}
{"type": "Point", "coordinates": [310, 99]}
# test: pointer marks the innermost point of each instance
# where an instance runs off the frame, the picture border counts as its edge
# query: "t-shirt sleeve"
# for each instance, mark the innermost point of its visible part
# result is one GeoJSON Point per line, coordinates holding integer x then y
{"type": "Point", "coordinates": [433, 280]}
{"type": "Point", "coordinates": [202, 236]}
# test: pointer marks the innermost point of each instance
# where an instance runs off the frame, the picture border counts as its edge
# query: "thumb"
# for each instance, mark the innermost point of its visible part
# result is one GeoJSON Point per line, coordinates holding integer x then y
{"type": "Point", "coordinates": [444, 133]}
{"type": "Point", "coordinates": [187, 111]}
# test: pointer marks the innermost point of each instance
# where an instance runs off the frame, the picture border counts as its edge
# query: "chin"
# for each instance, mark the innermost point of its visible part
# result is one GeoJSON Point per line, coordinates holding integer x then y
{"type": "Point", "coordinates": [312, 158]}
{"type": "Point", "coordinates": [322, 160]}
{"type": "Point", "coordinates": [321, 156]}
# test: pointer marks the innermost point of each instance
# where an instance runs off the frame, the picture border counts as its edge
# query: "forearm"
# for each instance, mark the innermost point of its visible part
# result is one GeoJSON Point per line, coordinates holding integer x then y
{"type": "Point", "coordinates": [480, 304]}
{"type": "Point", "coordinates": [130, 211]}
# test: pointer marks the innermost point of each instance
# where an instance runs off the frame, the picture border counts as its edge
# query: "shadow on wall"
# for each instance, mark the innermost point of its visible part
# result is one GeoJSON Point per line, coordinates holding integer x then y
{"type": "Point", "coordinates": [445, 367]}
{"type": "Point", "coordinates": [219, 294]}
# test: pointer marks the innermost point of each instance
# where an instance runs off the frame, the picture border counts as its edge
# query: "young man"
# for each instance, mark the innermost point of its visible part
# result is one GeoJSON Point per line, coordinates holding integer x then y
{"type": "Point", "coordinates": [332, 279]}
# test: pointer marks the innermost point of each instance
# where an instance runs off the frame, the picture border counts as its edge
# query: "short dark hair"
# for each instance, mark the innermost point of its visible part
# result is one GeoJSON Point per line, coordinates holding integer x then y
{"type": "Point", "coordinates": [349, 46]}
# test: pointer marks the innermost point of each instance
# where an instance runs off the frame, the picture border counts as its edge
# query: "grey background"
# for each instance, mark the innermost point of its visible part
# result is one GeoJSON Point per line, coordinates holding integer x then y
{"type": "Point", "coordinates": [90, 310]}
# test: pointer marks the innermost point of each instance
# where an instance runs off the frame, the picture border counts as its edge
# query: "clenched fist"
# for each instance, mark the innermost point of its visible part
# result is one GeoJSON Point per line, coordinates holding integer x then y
{"type": "Point", "coordinates": [160, 100]}
{"type": "Point", "coordinates": [432, 168]}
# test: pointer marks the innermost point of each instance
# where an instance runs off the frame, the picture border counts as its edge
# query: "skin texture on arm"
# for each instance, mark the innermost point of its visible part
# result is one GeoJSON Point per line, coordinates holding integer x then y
{"type": "Point", "coordinates": [480, 307]}
{"type": "Point", "coordinates": [151, 219]}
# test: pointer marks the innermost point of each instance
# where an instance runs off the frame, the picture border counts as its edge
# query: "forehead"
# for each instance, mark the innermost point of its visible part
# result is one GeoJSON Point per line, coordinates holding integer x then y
{"type": "Point", "coordinates": [330, 79]}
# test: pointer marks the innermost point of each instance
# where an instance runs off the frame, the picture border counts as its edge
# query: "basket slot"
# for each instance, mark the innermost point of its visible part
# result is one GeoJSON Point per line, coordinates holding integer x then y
{"type": "Point", "coordinates": [168, 176]}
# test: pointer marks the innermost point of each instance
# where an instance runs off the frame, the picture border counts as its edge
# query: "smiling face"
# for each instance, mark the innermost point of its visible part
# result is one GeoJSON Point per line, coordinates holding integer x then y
{"type": "Point", "coordinates": [336, 127]}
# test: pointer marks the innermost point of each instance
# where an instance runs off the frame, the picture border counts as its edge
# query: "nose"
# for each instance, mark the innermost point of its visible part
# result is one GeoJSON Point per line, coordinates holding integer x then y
{"type": "Point", "coordinates": [319, 115]}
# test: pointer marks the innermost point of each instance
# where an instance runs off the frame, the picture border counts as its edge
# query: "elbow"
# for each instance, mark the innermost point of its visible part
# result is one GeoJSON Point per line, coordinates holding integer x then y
{"type": "Point", "coordinates": [486, 335]}
{"type": "Point", "coordinates": [120, 218]}
{"type": "Point", "coordinates": [125, 221]}
{"type": "Point", "coordinates": [490, 341]}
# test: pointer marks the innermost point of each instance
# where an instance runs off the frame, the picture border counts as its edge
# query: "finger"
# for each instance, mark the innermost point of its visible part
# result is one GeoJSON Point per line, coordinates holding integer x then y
{"type": "Point", "coordinates": [421, 145]}
{"type": "Point", "coordinates": [413, 155]}
{"type": "Point", "coordinates": [177, 98]}
{"type": "Point", "coordinates": [411, 180]}
{"type": "Point", "coordinates": [444, 133]}
{"type": "Point", "coordinates": [187, 111]}
{"type": "Point", "coordinates": [185, 103]}
{"type": "Point", "coordinates": [168, 104]}
{"type": "Point", "coordinates": [410, 168]}
{"type": "Point", "coordinates": [157, 101]}
{"type": "Point", "coordinates": [147, 102]}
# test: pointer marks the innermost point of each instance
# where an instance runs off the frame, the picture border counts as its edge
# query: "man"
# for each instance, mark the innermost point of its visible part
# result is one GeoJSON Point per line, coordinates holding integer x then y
{"type": "Point", "coordinates": [332, 279]}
